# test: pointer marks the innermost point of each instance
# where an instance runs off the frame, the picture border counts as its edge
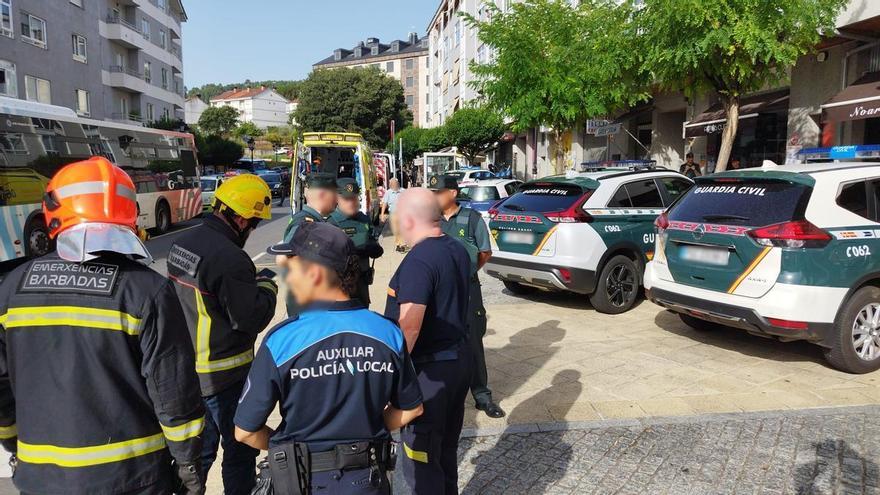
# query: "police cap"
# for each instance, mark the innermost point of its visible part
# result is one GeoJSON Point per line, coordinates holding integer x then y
{"type": "Point", "coordinates": [321, 180]}
{"type": "Point", "coordinates": [348, 188]}
{"type": "Point", "coordinates": [319, 242]}
{"type": "Point", "coordinates": [440, 182]}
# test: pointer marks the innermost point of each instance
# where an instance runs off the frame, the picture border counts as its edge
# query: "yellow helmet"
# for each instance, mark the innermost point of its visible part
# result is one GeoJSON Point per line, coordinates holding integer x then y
{"type": "Point", "coordinates": [247, 195]}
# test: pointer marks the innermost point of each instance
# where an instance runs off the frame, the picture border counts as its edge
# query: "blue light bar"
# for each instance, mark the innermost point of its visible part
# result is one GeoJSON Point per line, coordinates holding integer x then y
{"type": "Point", "coordinates": [623, 164]}
{"type": "Point", "coordinates": [857, 152]}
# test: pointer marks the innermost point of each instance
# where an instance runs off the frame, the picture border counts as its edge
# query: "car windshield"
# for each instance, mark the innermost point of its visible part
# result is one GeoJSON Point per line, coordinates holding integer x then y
{"type": "Point", "coordinates": [457, 175]}
{"type": "Point", "coordinates": [209, 184]}
{"type": "Point", "coordinates": [746, 202]}
{"type": "Point", "coordinates": [544, 197]}
{"type": "Point", "coordinates": [478, 193]}
{"type": "Point", "coordinates": [271, 178]}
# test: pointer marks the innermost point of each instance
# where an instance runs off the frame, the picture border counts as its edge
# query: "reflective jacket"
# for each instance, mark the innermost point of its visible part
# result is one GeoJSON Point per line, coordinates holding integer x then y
{"type": "Point", "coordinates": [226, 308]}
{"type": "Point", "coordinates": [96, 377]}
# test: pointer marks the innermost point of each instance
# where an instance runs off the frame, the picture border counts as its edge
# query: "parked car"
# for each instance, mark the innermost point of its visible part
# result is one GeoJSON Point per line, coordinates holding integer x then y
{"type": "Point", "coordinates": [471, 176]}
{"type": "Point", "coordinates": [209, 184]}
{"type": "Point", "coordinates": [276, 184]}
{"type": "Point", "coordinates": [483, 195]}
{"type": "Point", "coordinates": [590, 233]}
{"type": "Point", "coordinates": [790, 252]}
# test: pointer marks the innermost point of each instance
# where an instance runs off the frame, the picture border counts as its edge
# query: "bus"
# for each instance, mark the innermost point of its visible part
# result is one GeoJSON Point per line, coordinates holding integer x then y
{"type": "Point", "coordinates": [37, 139]}
{"type": "Point", "coordinates": [440, 163]}
{"type": "Point", "coordinates": [342, 154]}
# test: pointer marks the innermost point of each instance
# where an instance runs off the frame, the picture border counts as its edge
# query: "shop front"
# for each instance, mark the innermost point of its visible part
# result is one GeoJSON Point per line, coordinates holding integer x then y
{"type": "Point", "coordinates": [853, 116]}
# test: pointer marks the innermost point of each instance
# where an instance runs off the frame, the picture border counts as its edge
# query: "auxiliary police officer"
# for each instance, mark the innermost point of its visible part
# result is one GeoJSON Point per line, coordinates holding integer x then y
{"type": "Point", "coordinates": [467, 226]}
{"type": "Point", "coordinates": [97, 388]}
{"type": "Point", "coordinates": [358, 227]}
{"type": "Point", "coordinates": [320, 196]}
{"type": "Point", "coordinates": [333, 369]}
{"type": "Point", "coordinates": [227, 304]}
{"type": "Point", "coordinates": [428, 296]}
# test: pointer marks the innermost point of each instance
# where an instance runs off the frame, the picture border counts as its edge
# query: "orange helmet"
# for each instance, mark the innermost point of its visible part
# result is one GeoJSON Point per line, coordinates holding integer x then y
{"type": "Point", "coordinates": [90, 191]}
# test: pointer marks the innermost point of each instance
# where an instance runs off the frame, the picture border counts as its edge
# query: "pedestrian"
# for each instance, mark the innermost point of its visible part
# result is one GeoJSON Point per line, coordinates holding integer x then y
{"type": "Point", "coordinates": [320, 196]}
{"type": "Point", "coordinates": [358, 227]}
{"type": "Point", "coordinates": [689, 168]}
{"type": "Point", "coordinates": [332, 371]}
{"type": "Point", "coordinates": [389, 205]}
{"type": "Point", "coordinates": [98, 389]}
{"type": "Point", "coordinates": [467, 226]}
{"type": "Point", "coordinates": [428, 296]}
{"type": "Point", "coordinates": [735, 163]}
{"type": "Point", "coordinates": [227, 304]}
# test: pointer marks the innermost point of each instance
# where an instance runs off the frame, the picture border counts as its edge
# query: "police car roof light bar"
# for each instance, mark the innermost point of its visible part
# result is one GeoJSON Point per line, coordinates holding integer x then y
{"type": "Point", "coordinates": [857, 152]}
{"type": "Point", "coordinates": [622, 164]}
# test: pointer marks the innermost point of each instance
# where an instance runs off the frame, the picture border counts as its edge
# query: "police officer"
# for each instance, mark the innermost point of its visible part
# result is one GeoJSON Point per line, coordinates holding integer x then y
{"type": "Point", "coordinates": [357, 226]}
{"type": "Point", "coordinates": [467, 226]}
{"type": "Point", "coordinates": [333, 369]}
{"type": "Point", "coordinates": [320, 195]}
{"type": "Point", "coordinates": [428, 296]}
{"type": "Point", "coordinates": [226, 305]}
{"type": "Point", "coordinates": [97, 388]}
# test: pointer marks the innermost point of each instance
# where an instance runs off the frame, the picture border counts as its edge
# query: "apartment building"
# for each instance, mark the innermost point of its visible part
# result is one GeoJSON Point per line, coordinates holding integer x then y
{"type": "Point", "coordinates": [115, 60]}
{"type": "Point", "coordinates": [404, 60]}
{"type": "Point", "coordinates": [262, 106]}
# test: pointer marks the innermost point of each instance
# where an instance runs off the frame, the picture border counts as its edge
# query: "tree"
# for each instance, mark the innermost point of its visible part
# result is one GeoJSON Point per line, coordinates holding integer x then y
{"type": "Point", "coordinates": [167, 124]}
{"type": "Point", "coordinates": [557, 65]}
{"type": "Point", "coordinates": [412, 143]}
{"type": "Point", "coordinates": [733, 48]}
{"type": "Point", "coordinates": [218, 121]}
{"type": "Point", "coordinates": [434, 139]}
{"type": "Point", "coordinates": [474, 131]}
{"type": "Point", "coordinates": [216, 150]}
{"type": "Point", "coordinates": [246, 129]}
{"type": "Point", "coordinates": [287, 88]}
{"type": "Point", "coordinates": [281, 136]}
{"type": "Point", "coordinates": [362, 100]}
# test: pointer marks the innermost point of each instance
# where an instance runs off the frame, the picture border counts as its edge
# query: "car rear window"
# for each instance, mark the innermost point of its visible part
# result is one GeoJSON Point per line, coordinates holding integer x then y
{"type": "Point", "coordinates": [479, 193]}
{"type": "Point", "coordinates": [751, 203]}
{"type": "Point", "coordinates": [208, 184]}
{"type": "Point", "coordinates": [543, 198]}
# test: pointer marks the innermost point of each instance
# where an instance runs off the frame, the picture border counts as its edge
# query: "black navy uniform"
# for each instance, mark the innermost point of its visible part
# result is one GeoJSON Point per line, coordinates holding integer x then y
{"type": "Point", "coordinates": [360, 230]}
{"type": "Point", "coordinates": [96, 377]}
{"type": "Point", "coordinates": [435, 274]}
{"type": "Point", "coordinates": [332, 370]}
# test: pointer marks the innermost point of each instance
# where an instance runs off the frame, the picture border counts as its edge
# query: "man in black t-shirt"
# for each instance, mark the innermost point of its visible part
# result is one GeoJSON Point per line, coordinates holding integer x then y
{"type": "Point", "coordinates": [428, 296]}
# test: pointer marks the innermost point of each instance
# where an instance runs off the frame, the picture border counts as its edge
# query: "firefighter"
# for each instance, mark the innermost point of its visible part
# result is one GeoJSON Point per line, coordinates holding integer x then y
{"type": "Point", "coordinates": [226, 306]}
{"type": "Point", "coordinates": [357, 226]}
{"type": "Point", "coordinates": [97, 388]}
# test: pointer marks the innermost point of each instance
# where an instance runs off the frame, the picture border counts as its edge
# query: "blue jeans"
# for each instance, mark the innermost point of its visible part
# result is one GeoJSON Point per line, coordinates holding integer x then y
{"type": "Point", "coordinates": [239, 460]}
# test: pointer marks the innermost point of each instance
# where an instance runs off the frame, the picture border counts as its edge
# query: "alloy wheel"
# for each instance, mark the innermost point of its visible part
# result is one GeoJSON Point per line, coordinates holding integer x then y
{"type": "Point", "coordinates": [620, 285]}
{"type": "Point", "coordinates": [866, 332]}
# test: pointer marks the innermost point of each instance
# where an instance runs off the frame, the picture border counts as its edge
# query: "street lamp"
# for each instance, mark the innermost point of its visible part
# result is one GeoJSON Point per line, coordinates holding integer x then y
{"type": "Point", "coordinates": [251, 145]}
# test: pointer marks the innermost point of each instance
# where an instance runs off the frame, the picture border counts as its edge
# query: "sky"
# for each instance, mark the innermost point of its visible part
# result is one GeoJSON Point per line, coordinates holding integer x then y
{"type": "Point", "coordinates": [226, 41]}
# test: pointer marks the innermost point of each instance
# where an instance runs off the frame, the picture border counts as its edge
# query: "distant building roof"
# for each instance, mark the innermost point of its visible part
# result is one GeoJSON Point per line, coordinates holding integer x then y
{"type": "Point", "coordinates": [372, 49]}
{"type": "Point", "coordinates": [241, 93]}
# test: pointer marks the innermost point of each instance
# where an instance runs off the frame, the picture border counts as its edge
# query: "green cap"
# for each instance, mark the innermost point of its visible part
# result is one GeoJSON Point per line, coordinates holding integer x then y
{"type": "Point", "coordinates": [320, 180]}
{"type": "Point", "coordinates": [348, 188]}
{"type": "Point", "coordinates": [439, 182]}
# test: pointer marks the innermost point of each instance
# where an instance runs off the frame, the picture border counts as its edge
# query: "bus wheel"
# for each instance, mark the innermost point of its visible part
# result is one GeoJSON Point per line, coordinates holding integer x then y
{"type": "Point", "coordinates": [36, 237]}
{"type": "Point", "coordinates": [163, 218]}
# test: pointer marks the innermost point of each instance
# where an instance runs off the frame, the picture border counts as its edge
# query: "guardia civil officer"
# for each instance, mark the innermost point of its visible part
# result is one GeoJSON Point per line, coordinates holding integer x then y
{"type": "Point", "coordinates": [467, 226]}
{"type": "Point", "coordinates": [320, 196]}
{"type": "Point", "coordinates": [226, 306]}
{"type": "Point", "coordinates": [97, 388]}
{"type": "Point", "coordinates": [358, 227]}
{"type": "Point", "coordinates": [333, 370]}
{"type": "Point", "coordinates": [428, 296]}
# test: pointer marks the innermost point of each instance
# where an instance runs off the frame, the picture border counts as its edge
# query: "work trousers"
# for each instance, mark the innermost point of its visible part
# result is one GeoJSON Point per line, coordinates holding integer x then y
{"type": "Point", "coordinates": [239, 460]}
{"type": "Point", "coordinates": [476, 331]}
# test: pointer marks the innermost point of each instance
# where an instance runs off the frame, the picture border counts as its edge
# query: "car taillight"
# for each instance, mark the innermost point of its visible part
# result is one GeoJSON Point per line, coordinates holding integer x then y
{"type": "Point", "coordinates": [573, 214]}
{"type": "Point", "coordinates": [796, 234]}
{"type": "Point", "coordinates": [662, 222]}
{"type": "Point", "coordinates": [493, 212]}
{"type": "Point", "coordinates": [788, 324]}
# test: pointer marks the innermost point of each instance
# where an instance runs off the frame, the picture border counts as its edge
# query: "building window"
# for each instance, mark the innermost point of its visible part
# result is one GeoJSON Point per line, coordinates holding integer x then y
{"type": "Point", "coordinates": [80, 49]}
{"type": "Point", "coordinates": [389, 67]}
{"type": "Point", "coordinates": [410, 82]}
{"type": "Point", "coordinates": [481, 54]}
{"type": "Point", "coordinates": [37, 89]}
{"type": "Point", "coordinates": [145, 28]}
{"type": "Point", "coordinates": [409, 64]}
{"type": "Point", "coordinates": [162, 4]}
{"type": "Point", "coordinates": [6, 18]}
{"type": "Point", "coordinates": [166, 115]}
{"type": "Point", "coordinates": [151, 114]}
{"type": "Point", "coordinates": [8, 85]}
{"type": "Point", "coordinates": [164, 78]}
{"type": "Point", "coordinates": [83, 105]}
{"type": "Point", "coordinates": [163, 42]}
{"type": "Point", "coordinates": [410, 101]}
{"type": "Point", "coordinates": [457, 32]}
{"type": "Point", "coordinates": [33, 30]}
{"type": "Point", "coordinates": [148, 72]}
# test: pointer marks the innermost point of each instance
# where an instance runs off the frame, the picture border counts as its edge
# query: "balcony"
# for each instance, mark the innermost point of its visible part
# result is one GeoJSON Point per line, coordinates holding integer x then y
{"type": "Point", "coordinates": [128, 118]}
{"type": "Point", "coordinates": [124, 32]}
{"type": "Point", "coordinates": [126, 78]}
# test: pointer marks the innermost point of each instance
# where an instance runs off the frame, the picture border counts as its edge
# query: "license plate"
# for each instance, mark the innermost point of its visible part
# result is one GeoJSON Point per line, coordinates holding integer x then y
{"type": "Point", "coordinates": [519, 237]}
{"type": "Point", "coordinates": [705, 255]}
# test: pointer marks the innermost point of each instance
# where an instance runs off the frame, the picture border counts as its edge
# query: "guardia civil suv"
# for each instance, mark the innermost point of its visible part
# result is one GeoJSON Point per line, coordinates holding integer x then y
{"type": "Point", "coordinates": [791, 252]}
{"type": "Point", "coordinates": [589, 232]}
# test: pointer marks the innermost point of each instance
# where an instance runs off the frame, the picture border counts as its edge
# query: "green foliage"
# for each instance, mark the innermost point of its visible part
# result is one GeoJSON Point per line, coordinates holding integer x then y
{"type": "Point", "coordinates": [412, 143]}
{"type": "Point", "coordinates": [362, 100]}
{"type": "Point", "coordinates": [218, 121]}
{"type": "Point", "coordinates": [474, 131]}
{"type": "Point", "coordinates": [287, 89]}
{"type": "Point", "coordinates": [216, 150]}
{"type": "Point", "coordinates": [247, 129]}
{"type": "Point", "coordinates": [732, 47]}
{"type": "Point", "coordinates": [434, 139]}
{"type": "Point", "coordinates": [167, 124]}
{"type": "Point", "coordinates": [282, 136]}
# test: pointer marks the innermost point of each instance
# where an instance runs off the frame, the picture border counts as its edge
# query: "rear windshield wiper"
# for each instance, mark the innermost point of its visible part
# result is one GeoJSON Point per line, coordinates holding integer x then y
{"type": "Point", "coordinates": [721, 216]}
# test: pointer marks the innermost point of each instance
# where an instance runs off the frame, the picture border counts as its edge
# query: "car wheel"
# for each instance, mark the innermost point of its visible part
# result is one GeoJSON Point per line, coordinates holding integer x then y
{"type": "Point", "coordinates": [518, 288]}
{"type": "Point", "coordinates": [163, 218]}
{"type": "Point", "coordinates": [855, 346]}
{"type": "Point", "coordinates": [36, 237]}
{"type": "Point", "coordinates": [618, 286]}
{"type": "Point", "coordinates": [698, 324]}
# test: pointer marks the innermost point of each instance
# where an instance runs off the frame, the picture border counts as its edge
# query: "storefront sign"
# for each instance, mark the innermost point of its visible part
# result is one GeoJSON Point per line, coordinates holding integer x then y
{"type": "Point", "coordinates": [592, 125]}
{"type": "Point", "coordinates": [608, 130]}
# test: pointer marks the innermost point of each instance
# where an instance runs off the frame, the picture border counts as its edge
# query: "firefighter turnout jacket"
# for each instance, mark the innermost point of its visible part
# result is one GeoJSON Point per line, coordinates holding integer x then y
{"type": "Point", "coordinates": [226, 306]}
{"type": "Point", "coordinates": [96, 377]}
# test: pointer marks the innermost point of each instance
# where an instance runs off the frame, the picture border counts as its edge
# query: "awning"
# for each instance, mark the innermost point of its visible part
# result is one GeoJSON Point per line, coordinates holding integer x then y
{"type": "Point", "coordinates": [713, 120]}
{"type": "Point", "coordinates": [861, 100]}
{"type": "Point", "coordinates": [636, 111]}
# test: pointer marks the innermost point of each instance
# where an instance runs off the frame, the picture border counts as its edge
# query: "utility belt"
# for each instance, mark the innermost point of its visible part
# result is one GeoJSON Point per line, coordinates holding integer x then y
{"type": "Point", "coordinates": [292, 465]}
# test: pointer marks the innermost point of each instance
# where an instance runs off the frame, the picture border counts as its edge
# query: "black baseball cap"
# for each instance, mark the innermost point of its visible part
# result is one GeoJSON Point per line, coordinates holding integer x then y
{"type": "Point", "coordinates": [321, 180]}
{"type": "Point", "coordinates": [348, 188]}
{"type": "Point", "coordinates": [440, 182]}
{"type": "Point", "coordinates": [320, 242]}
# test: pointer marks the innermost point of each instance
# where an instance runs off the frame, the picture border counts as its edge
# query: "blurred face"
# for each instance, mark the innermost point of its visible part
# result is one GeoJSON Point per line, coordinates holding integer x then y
{"type": "Point", "coordinates": [323, 200]}
{"type": "Point", "coordinates": [690, 159]}
{"type": "Point", "coordinates": [394, 184]}
{"type": "Point", "coordinates": [349, 206]}
{"type": "Point", "coordinates": [303, 279]}
{"type": "Point", "coordinates": [446, 198]}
